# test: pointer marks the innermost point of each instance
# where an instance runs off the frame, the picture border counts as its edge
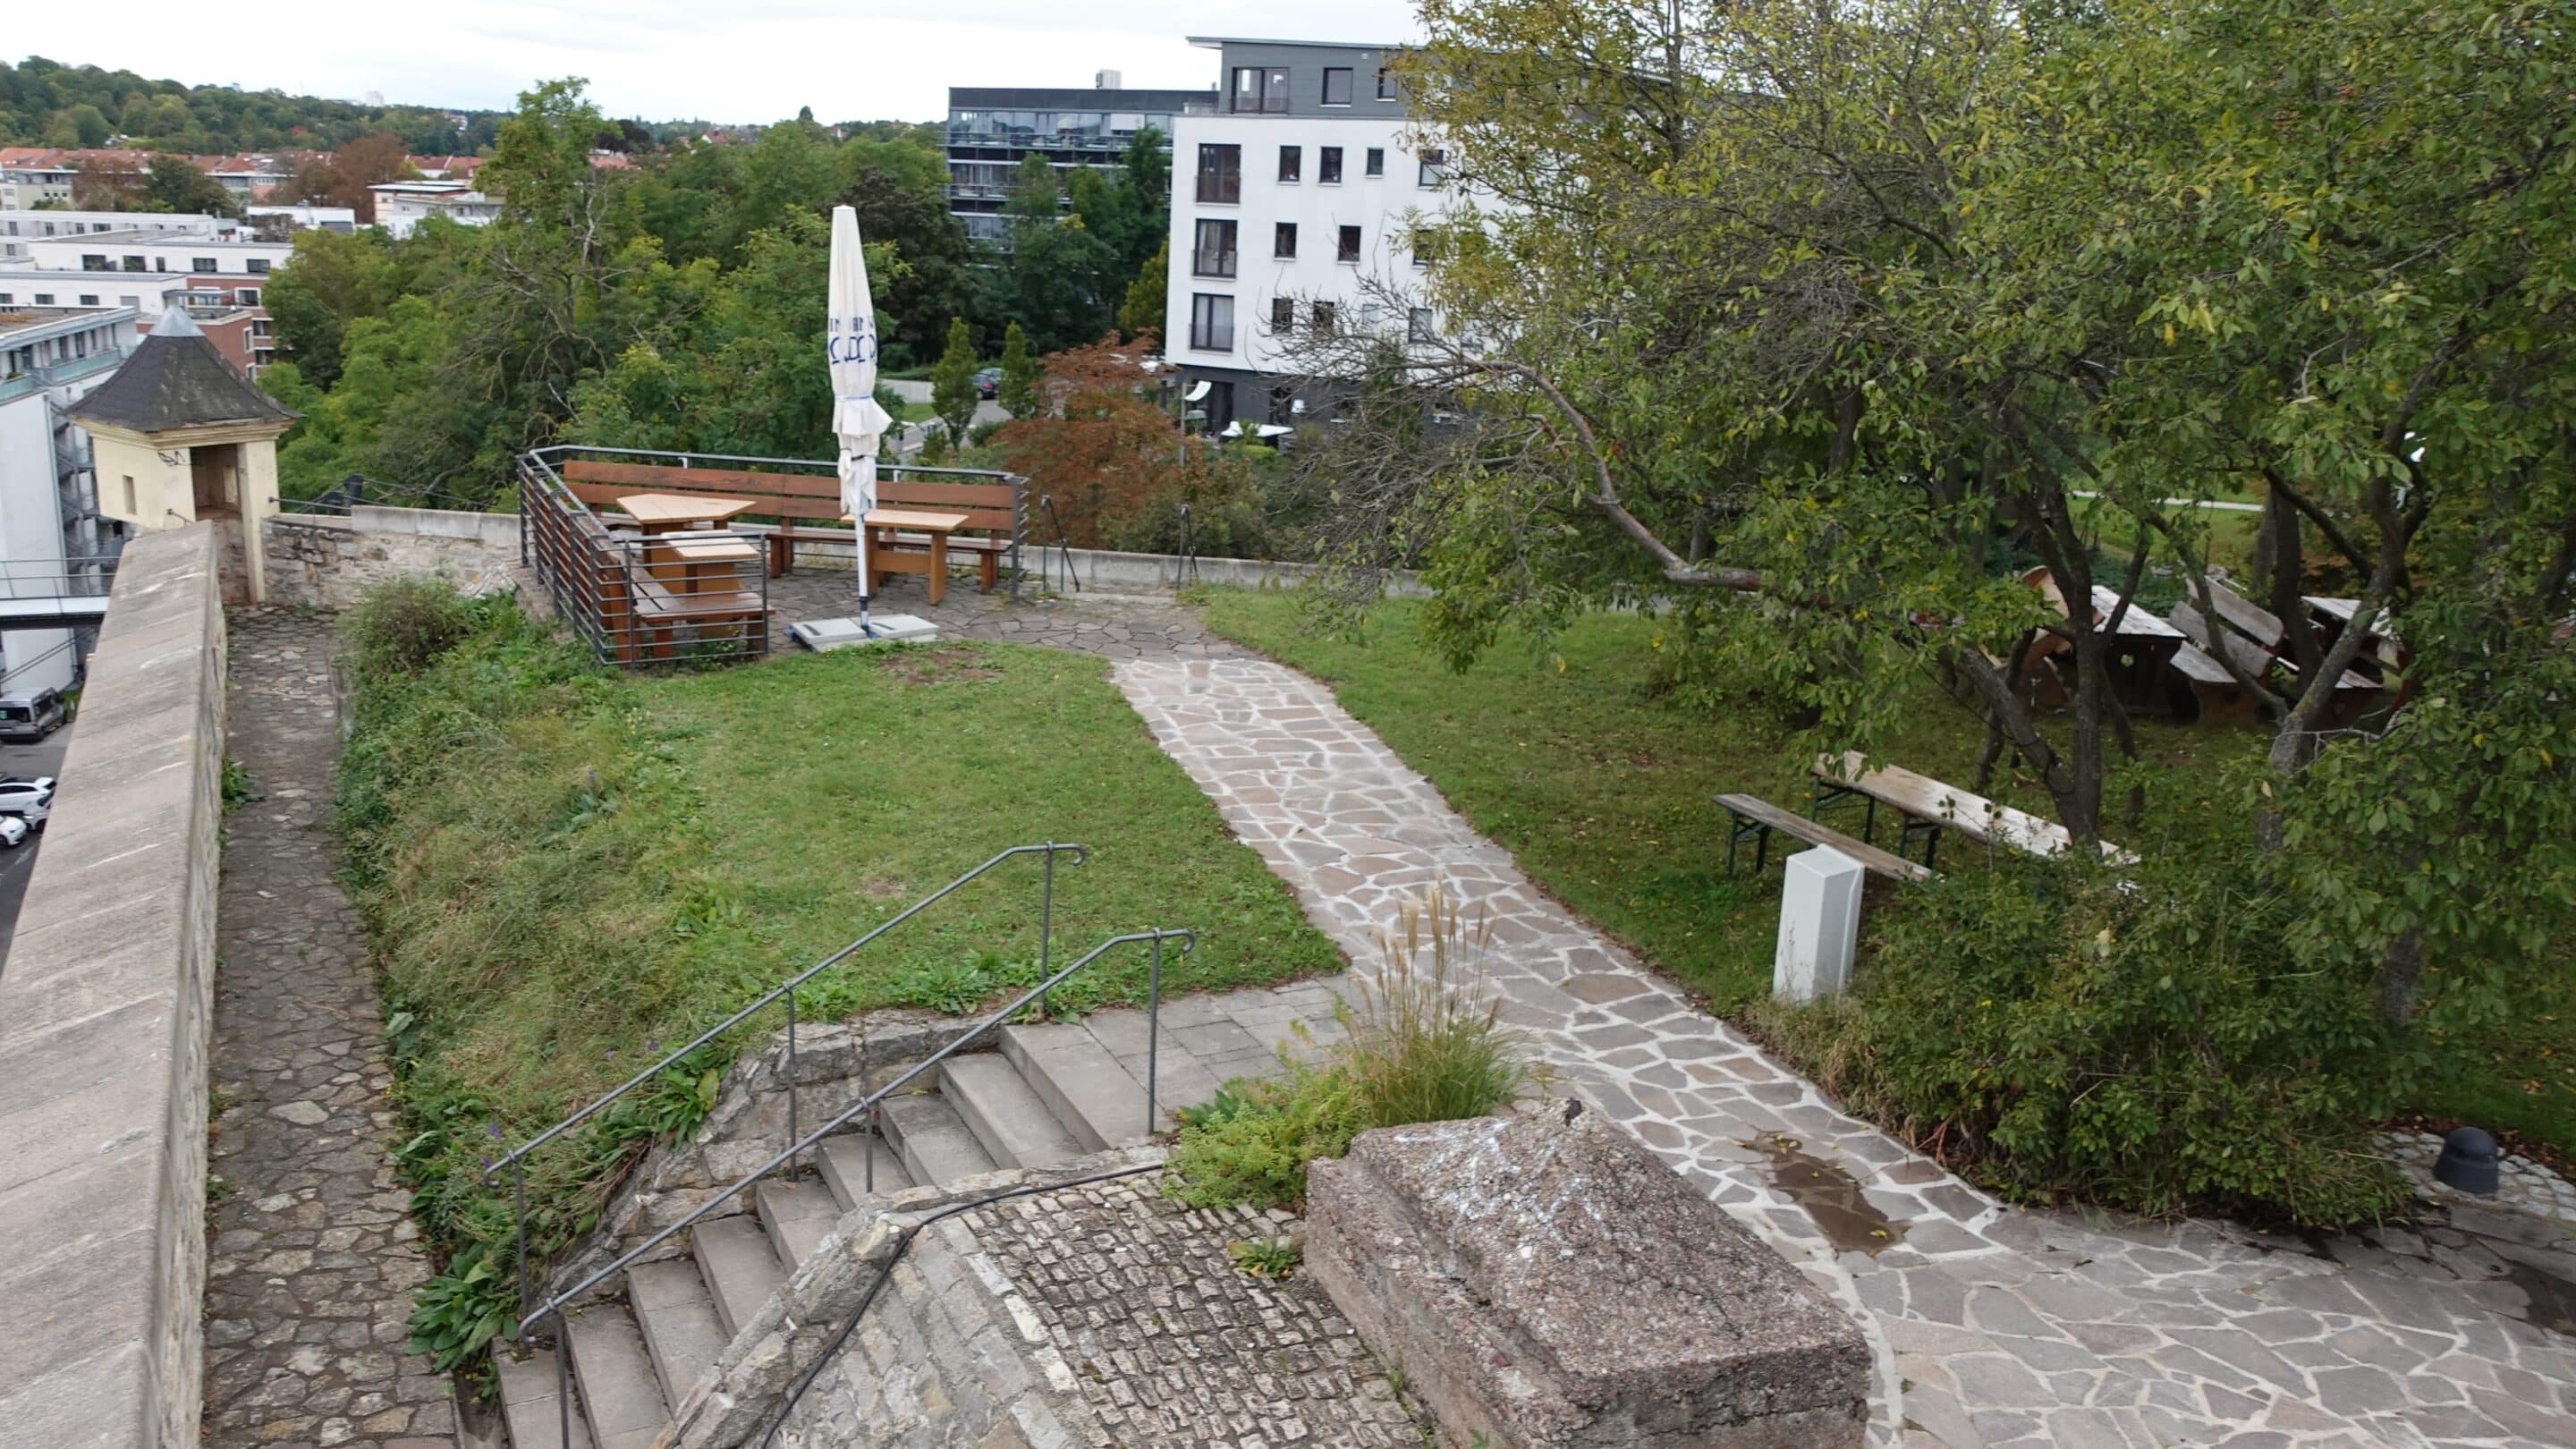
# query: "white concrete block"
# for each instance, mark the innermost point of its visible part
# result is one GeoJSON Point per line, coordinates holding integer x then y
{"type": "Point", "coordinates": [1819, 925]}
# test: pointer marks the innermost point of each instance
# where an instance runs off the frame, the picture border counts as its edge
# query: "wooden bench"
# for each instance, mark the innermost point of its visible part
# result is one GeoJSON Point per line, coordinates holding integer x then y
{"type": "Point", "coordinates": [806, 507]}
{"type": "Point", "coordinates": [1930, 807]}
{"type": "Point", "coordinates": [1754, 818]}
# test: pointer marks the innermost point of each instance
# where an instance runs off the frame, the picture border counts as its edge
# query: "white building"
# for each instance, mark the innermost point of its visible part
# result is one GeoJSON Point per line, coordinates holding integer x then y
{"type": "Point", "coordinates": [401, 206]}
{"type": "Point", "coordinates": [342, 219]}
{"type": "Point", "coordinates": [148, 293]}
{"type": "Point", "coordinates": [17, 228]}
{"type": "Point", "coordinates": [50, 525]}
{"type": "Point", "coordinates": [1301, 180]}
{"type": "Point", "coordinates": [144, 251]}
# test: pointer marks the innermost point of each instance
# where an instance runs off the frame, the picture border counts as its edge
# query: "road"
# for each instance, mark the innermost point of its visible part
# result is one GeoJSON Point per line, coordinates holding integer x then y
{"type": "Point", "coordinates": [16, 865]}
{"type": "Point", "coordinates": [908, 438]}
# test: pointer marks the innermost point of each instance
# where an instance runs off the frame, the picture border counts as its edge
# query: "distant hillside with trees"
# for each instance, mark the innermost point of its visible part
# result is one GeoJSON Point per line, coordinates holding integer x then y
{"type": "Point", "coordinates": [47, 103]}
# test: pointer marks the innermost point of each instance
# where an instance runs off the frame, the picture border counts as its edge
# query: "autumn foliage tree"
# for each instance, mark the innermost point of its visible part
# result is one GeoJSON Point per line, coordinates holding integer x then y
{"type": "Point", "coordinates": [341, 178]}
{"type": "Point", "coordinates": [1094, 441]}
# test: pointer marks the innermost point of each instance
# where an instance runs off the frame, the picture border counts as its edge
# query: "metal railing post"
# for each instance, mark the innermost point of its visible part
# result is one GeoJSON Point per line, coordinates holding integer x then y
{"type": "Point", "coordinates": [792, 1133]}
{"type": "Point", "coordinates": [1046, 925]}
{"type": "Point", "coordinates": [563, 1381]}
{"type": "Point", "coordinates": [1153, 1028]}
{"type": "Point", "coordinates": [519, 1216]}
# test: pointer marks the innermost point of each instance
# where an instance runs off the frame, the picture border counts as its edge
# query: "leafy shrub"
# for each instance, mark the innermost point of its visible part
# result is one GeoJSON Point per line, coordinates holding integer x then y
{"type": "Point", "coordinates": [403, 624]}
{"type": "Point", "coordinates": [2146, 1042]}
{"type": "Point", "coordinates": [1426, 1043]}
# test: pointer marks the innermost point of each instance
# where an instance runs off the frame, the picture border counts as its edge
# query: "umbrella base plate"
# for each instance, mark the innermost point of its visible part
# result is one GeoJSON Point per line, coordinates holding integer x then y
{"type": "Point", "coordinates": [825, 635]}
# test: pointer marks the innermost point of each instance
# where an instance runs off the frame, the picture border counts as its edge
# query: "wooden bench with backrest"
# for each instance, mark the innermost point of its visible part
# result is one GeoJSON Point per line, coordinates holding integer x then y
{"type": "Point", "coordinates": [1930, 807]}
{"type": "Point", "coordinates": [806, 507]}
{"type": "Point", "coordinates": [1754, 818]}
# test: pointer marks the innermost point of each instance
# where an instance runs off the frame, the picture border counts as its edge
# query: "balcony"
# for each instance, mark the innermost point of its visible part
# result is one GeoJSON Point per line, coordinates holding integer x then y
{"type": "Point", "coordinates": [18, 385]}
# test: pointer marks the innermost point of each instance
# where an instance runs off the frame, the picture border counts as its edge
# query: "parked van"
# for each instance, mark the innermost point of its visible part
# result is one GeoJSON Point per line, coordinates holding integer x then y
{"type": "Point", "coordinates": [25, 718]}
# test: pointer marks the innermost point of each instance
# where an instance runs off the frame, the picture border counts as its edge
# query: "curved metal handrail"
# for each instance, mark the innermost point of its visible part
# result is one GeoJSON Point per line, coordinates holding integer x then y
{"type": "Point", "coordinates": [866, 1104]}
{"type": "Point", "coordinates": [1051, 850]}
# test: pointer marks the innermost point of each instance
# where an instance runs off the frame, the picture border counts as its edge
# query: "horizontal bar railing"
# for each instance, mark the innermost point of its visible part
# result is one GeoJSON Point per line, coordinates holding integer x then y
{"type": "Point", "coordinates": [516, 1159]}
{"type": "Point", "coordinates": [615, 590]}
{"type": "Point", "coordinates": [870, 1104]}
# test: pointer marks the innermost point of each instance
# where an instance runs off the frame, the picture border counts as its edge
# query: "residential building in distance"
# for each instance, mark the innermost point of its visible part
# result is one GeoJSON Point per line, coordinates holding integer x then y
{"type": "Point", "coordinates": [51, 531]}
{"type": "Point", "coordinates": [17, 228]}
{"type": "Point", "coordinates": [990, 128]}
{"type": "Point", "coordinates": [1299, 180]}
{"type": "Point", "coordinates": [401, 206]}
{"type": "Point", "coordinates": [270, 220]}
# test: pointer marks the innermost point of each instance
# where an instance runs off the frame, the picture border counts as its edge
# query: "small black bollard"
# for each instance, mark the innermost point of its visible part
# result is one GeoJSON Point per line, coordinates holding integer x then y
{"type": "Point", "coordinates": [2468, 1161]}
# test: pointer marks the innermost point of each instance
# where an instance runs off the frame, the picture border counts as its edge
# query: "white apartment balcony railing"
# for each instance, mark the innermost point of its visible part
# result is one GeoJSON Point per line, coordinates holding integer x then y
{"type": "Point", "coordinates": [19, 384]}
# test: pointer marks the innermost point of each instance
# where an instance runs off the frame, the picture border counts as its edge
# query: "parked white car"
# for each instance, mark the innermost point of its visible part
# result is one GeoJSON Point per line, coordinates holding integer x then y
{"type": "Point", "coordinates": [28, 801]}
{"type": "Point", "coordinates": [13, 831]}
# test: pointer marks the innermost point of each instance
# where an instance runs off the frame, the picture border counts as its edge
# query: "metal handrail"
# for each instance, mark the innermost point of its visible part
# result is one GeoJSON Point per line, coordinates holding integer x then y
{"type": "Point", "coordinates": [1063, 549]}
{"type": "Point", "coordinates": [1185, 566]}
{"type": "Point", "coordinates": [517, 1156]}
{"type": "Point", "coordinates": [870, 1103]}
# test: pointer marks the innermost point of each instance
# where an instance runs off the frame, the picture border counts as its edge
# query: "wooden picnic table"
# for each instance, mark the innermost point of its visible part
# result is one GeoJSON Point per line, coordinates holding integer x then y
{"type": "Point", "coordinates": [1930, 806]}
{"type": "Point", "coordinates": [916, 526]}
{"type": "Point", "coordinates": [698, 563]}
{"type": "Point", "coordinates": [677, 512]}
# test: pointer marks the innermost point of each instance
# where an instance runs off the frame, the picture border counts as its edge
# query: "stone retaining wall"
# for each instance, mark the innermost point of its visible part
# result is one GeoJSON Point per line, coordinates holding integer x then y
{"type": "Point", "coordinates": [326, 561]}
{"type": "Point", "coordinates": [106, 1005]}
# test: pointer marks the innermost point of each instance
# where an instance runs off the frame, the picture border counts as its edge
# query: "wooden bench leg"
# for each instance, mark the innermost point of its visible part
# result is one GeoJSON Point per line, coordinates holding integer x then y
{"type": "Point", "coordinates": [988, 568]}
{"type": "Point", "coordinates": [782, 554]}
{"type": "Point", "coordinates": [938, 567]}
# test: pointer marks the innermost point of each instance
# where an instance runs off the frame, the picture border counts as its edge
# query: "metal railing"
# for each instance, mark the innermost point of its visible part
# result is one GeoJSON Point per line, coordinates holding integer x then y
{"type": "Point", "coordinates": [639, 601]}
{"type": "Point", "coordinates": [84, 576]}
{"type": "Point", "coordinates": [1185, 564]}
{"type": "Point", "coordinates": [55, 374]}
{"type": "Point", "coordinates": [516, 1160]}
{"type": "Point", "coordinates": [1063, 549]}
{"type": "Point", "coordinates": [870, 1106]}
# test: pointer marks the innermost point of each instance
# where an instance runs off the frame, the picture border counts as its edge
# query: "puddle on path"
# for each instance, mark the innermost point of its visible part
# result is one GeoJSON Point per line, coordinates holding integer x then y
{"type": "Point", "coordinates": [1830, 1196]}
{"type": "Point", "coordinates": [2553, 1299]}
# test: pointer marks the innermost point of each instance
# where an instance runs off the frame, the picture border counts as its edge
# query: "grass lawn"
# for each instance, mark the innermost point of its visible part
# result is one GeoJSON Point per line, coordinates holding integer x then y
{"type": "Point", "coordinates": [1602, 791]}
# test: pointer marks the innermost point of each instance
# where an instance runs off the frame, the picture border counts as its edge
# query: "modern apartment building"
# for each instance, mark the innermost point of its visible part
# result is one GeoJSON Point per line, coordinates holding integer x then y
{"type": "Point", "coordinates": [1298, 181]}
{"type": "Point", "coordinates": [401, 206]}
{"type": "Point", "coordinates": [991, 128]}
{"type": "Point", "coordinates": [50, 527]}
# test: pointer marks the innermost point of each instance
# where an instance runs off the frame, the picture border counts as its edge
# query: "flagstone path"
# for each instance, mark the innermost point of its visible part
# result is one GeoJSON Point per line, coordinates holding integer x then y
{"type": "Point", "coordinates": [311, 1252]}
{"type": "Point", "coordinates": [1994, 1326]}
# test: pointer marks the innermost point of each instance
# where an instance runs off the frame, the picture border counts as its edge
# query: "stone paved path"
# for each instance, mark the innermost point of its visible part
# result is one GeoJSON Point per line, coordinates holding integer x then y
{"type": "Point", "coordinates": [311, 1264]}
{"type": "Point", "coordinates": [1994, 1326]}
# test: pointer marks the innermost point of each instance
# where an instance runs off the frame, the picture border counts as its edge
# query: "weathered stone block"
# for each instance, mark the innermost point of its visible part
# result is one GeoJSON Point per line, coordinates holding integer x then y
{"type": "Point", "coordinates": [1546, 1283]}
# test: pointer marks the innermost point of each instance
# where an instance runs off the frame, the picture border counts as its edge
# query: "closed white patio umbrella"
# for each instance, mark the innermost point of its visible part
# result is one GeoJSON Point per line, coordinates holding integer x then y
{"type": "Point", "coordinates": [850, 341]}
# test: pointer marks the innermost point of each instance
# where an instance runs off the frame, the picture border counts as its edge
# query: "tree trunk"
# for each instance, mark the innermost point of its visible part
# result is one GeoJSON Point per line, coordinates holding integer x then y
{"type": "Point", "coordinates": [2399, 975]}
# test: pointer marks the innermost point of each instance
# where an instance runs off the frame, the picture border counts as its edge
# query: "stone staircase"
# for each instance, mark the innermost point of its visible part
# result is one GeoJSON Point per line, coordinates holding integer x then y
{"type": "Point", "coordinates": [1044, 1094]}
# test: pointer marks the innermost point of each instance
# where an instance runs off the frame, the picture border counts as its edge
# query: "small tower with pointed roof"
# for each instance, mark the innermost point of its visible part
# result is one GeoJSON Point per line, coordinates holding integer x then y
{"type": "Point", "coordinates": [179, 437]}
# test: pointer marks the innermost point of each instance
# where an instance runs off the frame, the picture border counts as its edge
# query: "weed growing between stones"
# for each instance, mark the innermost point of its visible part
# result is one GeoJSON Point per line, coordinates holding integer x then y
{"type": "Point", "coordinates": [1426, 1043]}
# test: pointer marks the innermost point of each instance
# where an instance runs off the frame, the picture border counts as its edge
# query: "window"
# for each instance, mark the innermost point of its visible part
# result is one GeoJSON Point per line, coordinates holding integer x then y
{"type": "Point", "coordinates": [1385, 84]}
{"type": "Point", "coordinates": [129, 301]}
{"type": "Point", "coordinates": [89, 299]}
{"type": "Point", "coordinates": [1426, 246]}
{"type": "Point", "coordinates": [94, 262]}
{"type": "Point", "coordinates": [259, 266]}
{"type": "Point", "coordinates": [202, 264]}
{"type": "Point", "coordinates": [1337, 85]}
{"type": "Point", "coordinates": [1260, 88]}
{"type": "Point", "coordinates": [1283, 239]}
{"type": "Point", "coordinates": [133, 262]}
{"type": "Point", "coordinates": [1417, 325]}
{"type": "Point", "coordinates": [1324, 318]}
{"type": "Point", "coordinates": [1211, 322]}
{"type": "Point", "coordinates": [1221, 173]}
{"type": "Point", "coordinates": [44, 299]}
{"type": "Point", "coordinates": [6, 299]}
{"type": "Point", "coordinates": [160, 264]}
{"type": "Point", "coordinates": [1328, 165]}
{"type": "Point", "coordinates": [1214, 254]}
{"type": "Point", "coordinates": [130, 509]}
{"type": "Point", "coordinates": [246, 296]}
{"type": "Point", "coordinates": [1350, 246]}
{"type": "Point", "coordinates": [1377, 161]}
{"type": "Point", "coordinates": [1435, 163]}
{"type": "Point", "coordinates": [1283, 315]}
{"type": "Point", "coordinates": [1292, 159]}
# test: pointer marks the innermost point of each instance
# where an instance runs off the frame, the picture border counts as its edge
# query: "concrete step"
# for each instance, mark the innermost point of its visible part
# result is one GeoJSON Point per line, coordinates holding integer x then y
{"type": "Point", "coordinates": [1006, 1115]}
{"type": "Point", "coordinates": [615, 1376]}
{"type": "Point", "coordinates": [681, 1330]}
{"type": "Point", "coordinates": [529, 1402]}
{"type": "Point", "coordinates": [740, 1268]}
{"type": "Point", "coordinates": [934, 1144]}
{"type": "Point", "coordinates": [1180, 1078]}
{"type": "Point", "coordinates": [798, 1215]}
{"type": "Point", "coordinates": [845, 1168]}
{"type": "Point", "coordinates": [1080, 1082]}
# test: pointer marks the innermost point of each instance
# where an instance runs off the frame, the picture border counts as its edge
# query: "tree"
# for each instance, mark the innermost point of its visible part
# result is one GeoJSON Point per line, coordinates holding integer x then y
{"type": "Point", "coordinates": [1801, 320]}
{"type": "Point", "coordinates": [112, 181]}
{"type": "Point", "coordinates": [1142, 310]}
{"type": "Point", "coordinates": [1018, 392]}
{"type": "Point", "coordinates": [174, 184]}
{"type": "Point", "coordinates": [331, 281]}
{"type": "Point", "coordinates": [342, 177]}
{"type": "Point", "coordinates": [1095, 444]}
{"type": "Point", "coordinates": [952, 382]}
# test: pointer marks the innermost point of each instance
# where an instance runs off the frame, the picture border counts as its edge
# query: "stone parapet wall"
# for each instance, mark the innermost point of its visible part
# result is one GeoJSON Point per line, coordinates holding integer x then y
{"type": "Point", "coordinates": [326, 561]}
{"type": "Point", "coordinates": [106, 1005]}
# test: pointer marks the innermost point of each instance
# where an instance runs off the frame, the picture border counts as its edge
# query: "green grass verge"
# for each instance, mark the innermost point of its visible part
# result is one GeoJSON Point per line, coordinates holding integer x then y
{"type": "Point", "coordinates": [1601, 788]}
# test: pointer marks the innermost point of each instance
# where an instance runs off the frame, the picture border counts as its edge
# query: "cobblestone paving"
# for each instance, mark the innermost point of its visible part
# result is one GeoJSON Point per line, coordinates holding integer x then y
{"type": "Point", "coordinates": [1993, 1326]}
{"type": "Point", "coordinates": [1118, 627]}
{"type": "Point", "coordinates": [311, 1261]}
{"type": "Point", "coordinates": [1173, 1347]}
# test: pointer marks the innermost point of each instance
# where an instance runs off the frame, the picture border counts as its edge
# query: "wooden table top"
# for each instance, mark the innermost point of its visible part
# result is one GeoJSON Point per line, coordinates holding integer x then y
{"type": "Point", "coordinates": [680, 507]}
{"type": "Point", "coordinates": [709, 550]}
{"type": "Point", "coordinates": [911, 518]}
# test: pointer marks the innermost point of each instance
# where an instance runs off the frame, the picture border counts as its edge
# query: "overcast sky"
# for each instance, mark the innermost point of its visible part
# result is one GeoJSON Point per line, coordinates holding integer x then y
{"type": "Point", "coordinates": [724, 60]}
